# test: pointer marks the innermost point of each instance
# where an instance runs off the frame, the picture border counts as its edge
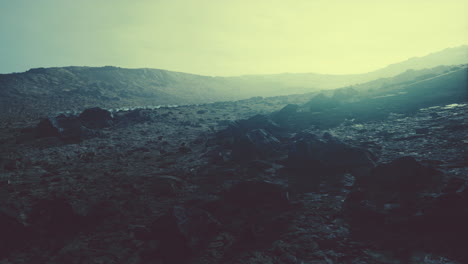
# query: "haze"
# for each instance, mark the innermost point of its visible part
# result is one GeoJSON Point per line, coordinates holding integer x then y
{"type": "Point", "coordinates": [227, 37]}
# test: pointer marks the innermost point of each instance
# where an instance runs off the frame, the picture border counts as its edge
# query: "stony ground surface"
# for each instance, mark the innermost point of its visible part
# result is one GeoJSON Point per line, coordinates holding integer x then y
{"type": "Point", "coordinates": [130, 175]}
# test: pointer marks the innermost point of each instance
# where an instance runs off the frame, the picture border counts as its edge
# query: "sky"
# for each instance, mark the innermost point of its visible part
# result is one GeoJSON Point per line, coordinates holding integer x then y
{"type": "Point", "coordinates": [227, 37]}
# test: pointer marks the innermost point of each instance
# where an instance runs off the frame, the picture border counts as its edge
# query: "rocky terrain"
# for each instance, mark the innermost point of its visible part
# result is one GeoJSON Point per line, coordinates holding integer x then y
{"type": "Point", "coordinates": [43, 91]}
{"type": "Point", "coordinates": [357, 175]}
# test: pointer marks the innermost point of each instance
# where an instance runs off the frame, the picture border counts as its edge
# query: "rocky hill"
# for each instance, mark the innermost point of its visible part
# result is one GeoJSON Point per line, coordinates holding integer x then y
{"type": "Point", "coordinates": [244, 182]}
{"type": "Point", "coordinates": [43, 91]}
{"type": "Point", "coordinates": [373, 173]}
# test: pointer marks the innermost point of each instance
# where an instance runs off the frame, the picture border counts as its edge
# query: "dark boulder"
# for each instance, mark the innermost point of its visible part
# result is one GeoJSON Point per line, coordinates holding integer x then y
{"type": "Point", "coordinates": [321, 102]}
{"type": "Point", "coordinates": [72, 128]}
{"type": "Point", "coordinates": [14, 234]}
{"type": "Point", "coordinates": [328, 151]}
{"type": "Point", "coordinates": [393, 187]}
{"type": "Point", "coordinates": [256, 137]}
{"type": "Point", "coordinates": [404, 204]}
{"type": "Point", "coordinates": [254, 212]}
{"type": "Point", "coordinates": [238, 128]}
{"type": "Point", "coordinates": [257, 143]}
{"type": "Point", "coordinates": [54, 218]}
{"type": "Point", "coordinates": [183, 232]}
{"type": "Point", "coordinates": [345, 94]}
{"type": "Point", "coordinates": [96, 118]}
{"type": "Point", "coordinates": [313, 158]}
{"type": "Point", "coordinates": [286, 114]}
{"type": "Point", "coordinates": [399, 180]}
{"type": "Point", "coordinates": [67, 127]}
{"type": "Point", "coordinates": [47, 128]}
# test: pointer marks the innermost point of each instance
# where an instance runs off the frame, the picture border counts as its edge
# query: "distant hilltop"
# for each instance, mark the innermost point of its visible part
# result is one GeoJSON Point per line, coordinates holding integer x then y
{"type": "Point", "coordinates": [46, 90]}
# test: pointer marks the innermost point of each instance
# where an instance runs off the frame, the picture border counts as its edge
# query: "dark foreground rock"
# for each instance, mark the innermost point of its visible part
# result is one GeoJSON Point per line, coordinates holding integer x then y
{"type": "Point", "coordinates": [252, 211]}
{"type": "Point", "coordinates": [245, 214]}
{"type": "Point", "coordinates": [54, 219]}
{"type": "Point", "coordinates": [402, 206]}
{"type": "Point", "coordinates": [14, 234]}
{"type": "Point", "coordinates": [182, 233]}
{"type": "Point", "coordinates": [313, 157]}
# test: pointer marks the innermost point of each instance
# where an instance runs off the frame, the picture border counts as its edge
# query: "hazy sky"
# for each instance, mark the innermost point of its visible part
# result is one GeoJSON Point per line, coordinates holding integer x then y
{"type": "Point", "coordinates": [227, 37]}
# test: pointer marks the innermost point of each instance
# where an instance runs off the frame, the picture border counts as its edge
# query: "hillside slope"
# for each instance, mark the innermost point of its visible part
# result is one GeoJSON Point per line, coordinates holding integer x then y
{"type": "Point", "coordinates": [42, 91]}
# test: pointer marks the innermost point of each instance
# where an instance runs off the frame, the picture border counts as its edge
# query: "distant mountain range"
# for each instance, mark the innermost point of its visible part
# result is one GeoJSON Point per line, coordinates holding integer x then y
{"type": "Point", "coordinates": [45, 90]}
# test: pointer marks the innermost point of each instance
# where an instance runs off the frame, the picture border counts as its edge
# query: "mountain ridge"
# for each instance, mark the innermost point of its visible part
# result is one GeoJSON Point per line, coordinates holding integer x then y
{"type": "Point", "coordinates": [46, 90]}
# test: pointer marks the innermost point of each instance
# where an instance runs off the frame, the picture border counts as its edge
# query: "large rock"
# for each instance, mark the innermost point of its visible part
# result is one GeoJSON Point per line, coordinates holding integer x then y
{"type": "Point", "coordinates": [313, 159]}
{"type": "Point", "coordinates": [239, 128]}
{"type": "Point", "coordinates": [399, 181]}
{"type": "Point", "coordinates": [183, 232]}
{"type": "Point", "coordinates": [96, 118]}
{"type": "Point", "coordinates": [54, 218]}
{"type": "Point", "coordinates": [252, 211]}
{"type": "Point", "coordinates": [67, 127]}
{"type": "Point", "coordinates": [391, 188]}
{"type": "Point", "coordinates": [328, 151]}
{"type": "Point", "coordinates": [257, 143]}
{"type": "Point", "coordinates": [251, 138]}
{"type": "Point", "coordinates": [321, 102]}
{"type": "Point", "coordinates": [14, 234]}
{"type": "Point", "coordinates": [402, 204]}
{"type": "Point", "coordinates": [72, 128]}
{"type": "Point", "coordinates": [286, 114]}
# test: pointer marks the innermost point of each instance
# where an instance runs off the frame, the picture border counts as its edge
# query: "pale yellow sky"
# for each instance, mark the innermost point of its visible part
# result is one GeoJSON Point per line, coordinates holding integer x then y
{"type": "Point", "coordinates": [227, 37]}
